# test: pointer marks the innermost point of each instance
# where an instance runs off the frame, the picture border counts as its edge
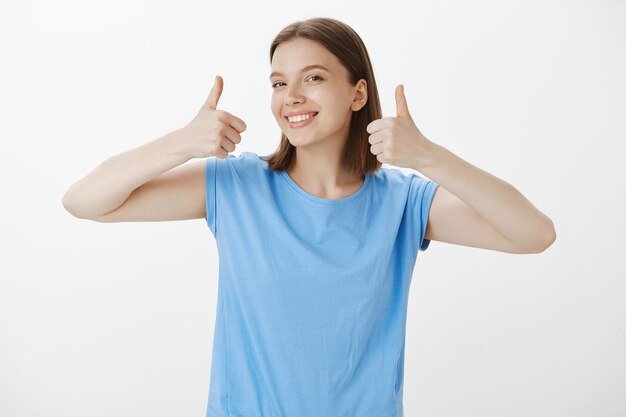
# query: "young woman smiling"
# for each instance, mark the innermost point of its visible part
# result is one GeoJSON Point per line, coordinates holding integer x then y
{"type": "Point", "coordinates": [317, 240]}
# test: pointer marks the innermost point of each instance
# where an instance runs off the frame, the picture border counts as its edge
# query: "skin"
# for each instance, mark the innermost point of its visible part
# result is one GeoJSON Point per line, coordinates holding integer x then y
{"type": "Point", "coordinates": [317, 169]}
{"type": "Point", "coordinates": [471, 207]}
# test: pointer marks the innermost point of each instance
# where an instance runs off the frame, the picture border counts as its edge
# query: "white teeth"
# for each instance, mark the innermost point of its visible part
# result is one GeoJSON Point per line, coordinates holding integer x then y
{"type": "Point", "coordinates": [300, 117]}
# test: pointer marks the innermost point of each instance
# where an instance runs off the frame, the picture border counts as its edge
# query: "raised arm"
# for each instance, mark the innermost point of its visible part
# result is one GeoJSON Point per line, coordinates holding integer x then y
{"type": "Point", "coordinates": [137, 185]}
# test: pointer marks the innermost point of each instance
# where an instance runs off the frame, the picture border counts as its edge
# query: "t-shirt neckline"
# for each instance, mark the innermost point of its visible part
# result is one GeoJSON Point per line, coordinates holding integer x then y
{"type": "Point", "coordinates": [348, 199]}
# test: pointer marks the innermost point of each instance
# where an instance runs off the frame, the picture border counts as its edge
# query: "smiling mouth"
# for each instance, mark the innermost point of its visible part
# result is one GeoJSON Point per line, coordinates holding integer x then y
{"type": "Point", "coordinates": [314, 115]}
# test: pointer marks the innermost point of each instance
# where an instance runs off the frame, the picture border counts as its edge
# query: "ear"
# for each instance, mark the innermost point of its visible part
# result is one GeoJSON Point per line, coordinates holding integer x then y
{"type": "Point", "coordinates": [360, 95]}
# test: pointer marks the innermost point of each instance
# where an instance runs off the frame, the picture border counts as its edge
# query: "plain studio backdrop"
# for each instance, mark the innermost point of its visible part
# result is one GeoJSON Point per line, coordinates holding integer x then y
{"type": "Point", "coordinates": [117, 319]}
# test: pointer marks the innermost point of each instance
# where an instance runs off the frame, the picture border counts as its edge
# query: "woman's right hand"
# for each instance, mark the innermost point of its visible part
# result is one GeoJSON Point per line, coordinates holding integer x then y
{"type": "Point", "coordinates": [213, 132]}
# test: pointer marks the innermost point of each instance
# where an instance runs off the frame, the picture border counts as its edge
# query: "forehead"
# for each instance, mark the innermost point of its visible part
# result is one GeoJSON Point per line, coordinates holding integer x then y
{"type": "Point", "coordinates": [295, 54]}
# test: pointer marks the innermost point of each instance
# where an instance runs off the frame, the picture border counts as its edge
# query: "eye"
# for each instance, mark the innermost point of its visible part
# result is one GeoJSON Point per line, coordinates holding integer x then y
{"type": "Point", "coordinates": [280, 82]}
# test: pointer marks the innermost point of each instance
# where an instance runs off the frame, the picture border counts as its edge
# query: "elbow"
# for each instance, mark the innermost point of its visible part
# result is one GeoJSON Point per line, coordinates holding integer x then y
{"type": "Point", "coordinates": [74, 212]}
{"type": "Point", "coordinates": [65, 201]}
{"type": "Point", "coordinates": [541, 240]}
{"type": "Point", "coordinates": [68, 203]}
{"type": "Point", "coordinates": [71, 208]}
{"type": "Point", "coordinates": [548, 238]}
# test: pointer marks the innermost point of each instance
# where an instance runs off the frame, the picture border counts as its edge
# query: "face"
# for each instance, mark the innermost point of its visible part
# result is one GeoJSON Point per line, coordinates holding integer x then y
{"type": "Point", "coordinates": [315, 90]}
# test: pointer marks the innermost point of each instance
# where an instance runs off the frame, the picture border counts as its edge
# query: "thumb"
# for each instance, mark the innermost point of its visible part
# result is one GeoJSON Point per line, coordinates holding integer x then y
{"type": "Point", "coordinates": [216, 92]}
{"type": "Point", "coordinates": [402, 108]}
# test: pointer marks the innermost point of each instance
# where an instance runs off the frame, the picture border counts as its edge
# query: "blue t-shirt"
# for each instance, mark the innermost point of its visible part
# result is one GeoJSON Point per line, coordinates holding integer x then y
{"type": "Point", "coordinates": [312, 292]}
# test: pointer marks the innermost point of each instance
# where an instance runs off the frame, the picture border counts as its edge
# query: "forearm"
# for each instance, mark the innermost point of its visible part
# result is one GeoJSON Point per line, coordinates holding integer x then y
{"type": "Point", "coordinates": [497, 201]}
{"type": "Point", "coordinates": [109, 185]}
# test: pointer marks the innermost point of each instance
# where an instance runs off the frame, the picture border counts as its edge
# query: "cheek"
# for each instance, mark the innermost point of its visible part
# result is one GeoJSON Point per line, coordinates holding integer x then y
{"type": "Point", "coordinates": [276, 107]}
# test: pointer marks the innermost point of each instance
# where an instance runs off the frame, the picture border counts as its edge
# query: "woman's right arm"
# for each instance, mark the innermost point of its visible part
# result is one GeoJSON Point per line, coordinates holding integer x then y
{"type": "Point", "coordinates": [147, 183]}
{"type": "Point", "coordinates": [111, 183]}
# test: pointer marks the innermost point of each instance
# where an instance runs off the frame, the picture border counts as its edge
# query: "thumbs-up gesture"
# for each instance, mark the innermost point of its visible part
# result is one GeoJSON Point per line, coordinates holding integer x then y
{"type": "Point", "coordinates": [213, 132]}
{"type": "Point", "coordinates": [396, 140]}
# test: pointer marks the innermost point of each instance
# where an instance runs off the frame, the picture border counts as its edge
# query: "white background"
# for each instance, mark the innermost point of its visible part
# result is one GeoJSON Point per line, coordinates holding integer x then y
{"type": "Point", "coordinates": [117, 319]}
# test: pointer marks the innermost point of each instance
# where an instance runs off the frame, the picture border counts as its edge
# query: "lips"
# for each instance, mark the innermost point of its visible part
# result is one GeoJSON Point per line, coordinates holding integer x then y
{"type": "Point", "coordinates": [315, 113]}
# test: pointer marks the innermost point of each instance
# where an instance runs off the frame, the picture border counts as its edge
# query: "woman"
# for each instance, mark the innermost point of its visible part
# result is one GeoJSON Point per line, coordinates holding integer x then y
{"type": "Point", "coordinates": [317, 242]}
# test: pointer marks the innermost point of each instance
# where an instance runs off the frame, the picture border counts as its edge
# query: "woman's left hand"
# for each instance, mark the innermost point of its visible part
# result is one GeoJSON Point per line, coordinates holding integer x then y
{"type": "Point", "coordinates": [396, 140]}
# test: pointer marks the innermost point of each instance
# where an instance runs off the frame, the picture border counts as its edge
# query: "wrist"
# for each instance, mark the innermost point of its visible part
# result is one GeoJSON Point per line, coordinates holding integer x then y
{"type": "Point", "coordinates": [426, 155]}
{"type": "Point", "coordinates": [178, 143]}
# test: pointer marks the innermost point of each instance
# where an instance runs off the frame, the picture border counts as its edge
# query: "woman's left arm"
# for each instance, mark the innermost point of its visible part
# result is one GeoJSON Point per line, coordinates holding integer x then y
{"type": "Point", "coordinates": [474, 206]}
{"type": "Point", "coordinates": [471, 207]}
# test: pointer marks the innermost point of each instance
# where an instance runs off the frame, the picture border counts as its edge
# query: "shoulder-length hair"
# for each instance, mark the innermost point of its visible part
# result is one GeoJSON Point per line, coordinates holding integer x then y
{"type": "Point", "coordinates": [343, 42]}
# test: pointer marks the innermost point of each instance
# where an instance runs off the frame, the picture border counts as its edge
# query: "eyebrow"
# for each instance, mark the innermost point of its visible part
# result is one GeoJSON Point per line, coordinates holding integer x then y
{"type": "Point", "coordinates": [308, 67]}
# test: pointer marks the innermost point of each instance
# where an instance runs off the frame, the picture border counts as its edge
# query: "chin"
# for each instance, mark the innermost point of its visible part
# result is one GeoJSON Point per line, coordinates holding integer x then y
{"type": "Point", "coordinates": [298, 141]}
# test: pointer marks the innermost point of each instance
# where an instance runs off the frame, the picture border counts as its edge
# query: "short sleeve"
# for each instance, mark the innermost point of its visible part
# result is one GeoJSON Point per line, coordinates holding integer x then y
{"type": "Point", "coordinates": [421, 197]}
{"type": "Point", "coordinates": [210, 175]}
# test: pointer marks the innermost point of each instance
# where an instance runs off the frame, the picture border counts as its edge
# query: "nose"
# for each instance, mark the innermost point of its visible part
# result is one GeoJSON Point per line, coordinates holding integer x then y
{"type": "Point", "coordinates": [293, 95]}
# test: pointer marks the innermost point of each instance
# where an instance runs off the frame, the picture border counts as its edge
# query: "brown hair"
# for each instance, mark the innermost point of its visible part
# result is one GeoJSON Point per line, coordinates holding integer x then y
{"type": "Point", "coordinates": [343, 42]}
